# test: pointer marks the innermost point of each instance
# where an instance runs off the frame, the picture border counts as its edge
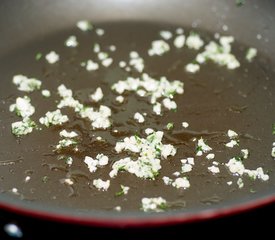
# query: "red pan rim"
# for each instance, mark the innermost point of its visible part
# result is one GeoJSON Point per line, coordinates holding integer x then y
{"type": "Point", "coordinates": [154, 220]}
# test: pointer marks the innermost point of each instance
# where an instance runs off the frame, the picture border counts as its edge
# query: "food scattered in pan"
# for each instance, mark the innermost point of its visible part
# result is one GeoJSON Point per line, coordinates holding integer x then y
{"type": "Point", "coordinates": [136, 116]}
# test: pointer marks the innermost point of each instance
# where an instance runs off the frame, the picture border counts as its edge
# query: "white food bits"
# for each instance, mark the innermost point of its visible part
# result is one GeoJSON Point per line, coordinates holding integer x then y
{"type": "Point", "coordinates": [122, 64]}
{"type": "Point", "coordinates": [98, 138]}
{"type": "Point", "coordinates": [71, 42]}
{"type": "Point", "coordinates": [258, 173]}
{"type": "Point", "coordinates": [225, 42]}
{"type": "Point", "coordinates": [231, 134]}
{"type": "Point", "coordinates": [190, 160]}
{"type": "Point", "coordinates": [214, 169]}
{"type": "Point", "coordinates": [96, 48]}
{"type": "Point", "coordinates": [26, 84]}
{"type": "Point", "coordinates": [157, 108]}
{"type": "Point", "coordinates": [112, 48]}
{"type": "Point", "coordinates": [187, 164]}
{"type": "Point", "coordinates": [216, 35]}
{"type": "Point", "coordinates": [69, 161]}
{"type": "Point", "coordinates": [84, 25]}
{"type": "Point", "coordinates": [100, 31]}
{"type": "Point", "coordinates": [141, 93]}
{"type": "Point", "coordinates": [27, 179]}
{"type": "Point", "coordinates": [179, 31]}
{"type": "Point", "coordinates": [273, 150]}
{"type": "Point", "coordinates": [139, 117]}
{"type": "Point", "coordinates": [158, 47]}
{"type": "Point", "coordinates": [244, 153]}
{"type": "Point", "coordinates": [154, 88]}
{"type": "Point", "coordinates": [133, 54]}
{"type": "Point", "coordinates": [121, 86]}
{"type": "Point", "coordinates": [202, 147]}
{"type": "Point", "coordinates": [99, 161]}
{"type": "Point", "coordinates": [97, 95]}
{"type": "Point", "coordinates": [101, 185]}
{"type": "Point", "coordinates": [91, 163]}
{"type": "Point", "coordinates": [251, 54]}
{"type": "Point", "coordinates": [158, 204]}
{"type": "Point", "coordinates": [23, 127]}
{"type": "Point", "coordinates": [194, 41]}
{"type": "Point", "coordinates": [91, 65]}
{"type": "Point", "coordinates": [186, 167]}
{"type": "Point", "coordinates": [259, 36]}
{"type": "Point", "coordinates": [14, 190]}
{"type": "Point", "coordinates": [192, 67]}
{"type": "Point", "coordinates": [107, 62]}
{"type": "Point", "coordinates": [167, 180]}
{"type": "Point", "coordinates": [117, 208]}
{"type": "Point", "coordinates": [149, 131]}
{"type": "Point", "coordinates": [219, 53]}
{"type": "Point", "coordinates": [22, 107]}
{"type": "Point", "coordinates": [176, 174]}
{"type": "Point", "coordinates": [240, 183]}
{"type": "Point", "coordinates": [179, 41]}
{"type": "Point", "coordinates": [225, 28]}
{"type": "Point", "coordinates": [235, 166]}
{"type": "Point", "coordinates": [54, 118]}
{"type": "Point", "coordinates": [210, 156]}
{"type": "Point", "coordinates": [102, 55]}
{"type": "Point", "coordinates": [52, 57]}
{"type": "Point", "coordinates": [68, 181]}
{"type": "Point", "coordinates": [46, 93]}
{"type": "Point", "coordinates": [69, 101]}
{"type": "Point", "coordinates": [185, 124]}
{"type": "Point", "coordinates": [181, 182]}
{"type": "Point", "coordinates": [169, 104]}
{"type": "Point", "coordinates": [99, 119]}
{"type": "Point", "coordinates": [64, 92]}
{"type": "Point", "coordinates": [124, 190]}
{"type": "Point", "coordinates": [166, 35]}
{"type": "Point", "coordinates": [120, 99]}
{"type": "Point", "coordinates": [102, 159]}
{"type": "Point", "coordinates": [68, 134]}
{"type": "Point", "coordinates": [67, 143]}
{"type": "Point", "coordinates": [136, 61]}
{"type": "Point", "coordinates": [229, 183]}
{"type": "Point", "coordinates": [168, 150]}
{"type": "Point", "coordinates": [231, 144]}
{"type": "Point", "coordinates": [150, 149]}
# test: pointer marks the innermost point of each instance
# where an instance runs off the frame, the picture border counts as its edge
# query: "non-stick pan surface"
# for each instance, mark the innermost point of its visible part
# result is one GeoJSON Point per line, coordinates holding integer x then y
{"type": "Point", "coordinates": [31, 27]}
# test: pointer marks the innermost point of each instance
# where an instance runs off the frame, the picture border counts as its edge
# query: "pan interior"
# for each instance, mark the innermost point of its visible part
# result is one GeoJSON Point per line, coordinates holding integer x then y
{"type": "Point", "coordinates": [215, 100]}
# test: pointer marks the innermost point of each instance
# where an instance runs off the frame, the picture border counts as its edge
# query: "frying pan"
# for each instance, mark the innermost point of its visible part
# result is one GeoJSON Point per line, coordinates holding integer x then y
{"type": "Point", "coordinates": [25, 22]}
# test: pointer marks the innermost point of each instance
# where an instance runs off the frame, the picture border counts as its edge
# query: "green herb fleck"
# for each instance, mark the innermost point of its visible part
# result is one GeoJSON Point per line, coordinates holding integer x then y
{"type": "Point", "coordinates": [240, 3]}
{"type": "Point", "coordinates": [45, 179]}
{"type": "Point", "coordinates": [170, 125]}
{"type": "Point", "coordinates": [38, 56]}
{"type": "Point", "coordinates": [123, 191]}
{"type": "Point", "coordinates": [273, 128]}
{"type": "Point", "coordinates": [198, 149]}
{"type": "Point", "coordinates": [120, 193]}
{"type": "Point", "coordinates": [121, 168]}
{"type": "Point", "coordinates": [158, 150]}
{"type": "Point", "coordinates": [137, 138]}
{"type": "Point", "coordinates": [239, 158]}
{"type": "Point", "coordinates": [163, 206]}
{"type": "Point", "coordinates": [151, 137]}
{"type": "Point", "coordinates": [252, 190]}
